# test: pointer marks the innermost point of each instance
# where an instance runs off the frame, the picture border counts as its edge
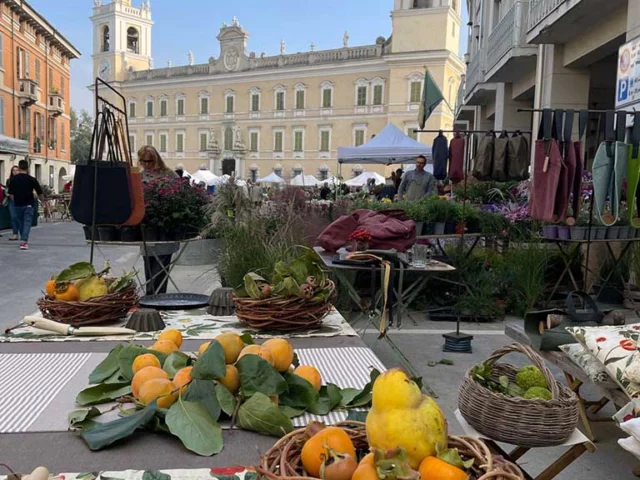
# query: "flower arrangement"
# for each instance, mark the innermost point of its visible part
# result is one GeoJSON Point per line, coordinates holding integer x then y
{"type": "Point", "coordinates": [360, 235]}
{"type": "Point", "coordinates": [174, 205]}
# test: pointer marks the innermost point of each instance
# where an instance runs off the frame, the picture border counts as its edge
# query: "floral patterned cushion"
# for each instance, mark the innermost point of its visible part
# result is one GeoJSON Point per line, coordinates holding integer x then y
{"type": "Point", "coordinates": [588, 363]}
{"type": "Point", "coordinates": [615, 348]}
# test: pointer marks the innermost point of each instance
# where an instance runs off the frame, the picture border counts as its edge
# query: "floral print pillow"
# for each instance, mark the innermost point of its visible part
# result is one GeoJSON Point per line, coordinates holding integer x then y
{"type": "Point", "coordinates": [615, 348]}
{"type": "Point", "coordinates": [588, 363]}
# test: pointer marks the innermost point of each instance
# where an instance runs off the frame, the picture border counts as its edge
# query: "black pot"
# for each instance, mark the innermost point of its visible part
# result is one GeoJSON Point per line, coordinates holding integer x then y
{"type": "Point", "coordinates": [165, 236]}
{"type": "Point", "coordinates": [150, 234]}
{"type": "Point", "coordinates": [130, 234]}
{"type": "Point", "coordinates": [107, 233]}
{"type": "Point", "coordinates": [87, 232]}
{"type": "Point", "coordinates": [449, 228]}
{"type": "Point", "coordinates": [428, 228]}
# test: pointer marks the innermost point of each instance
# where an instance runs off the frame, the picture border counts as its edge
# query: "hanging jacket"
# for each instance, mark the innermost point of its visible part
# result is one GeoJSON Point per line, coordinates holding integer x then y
{"type": "Point", "coordinates": [440, 154]}
{"type": "Point", "coordinates": [546, 171]}
{"type": "Point", "coordinates": [519, 158]}
{"type": "Point", "coordinates": [483, 165]}
{"type": "Point", "coordinates": [456, 158]}
{"type": "Point", "coordinates": [500, 158]}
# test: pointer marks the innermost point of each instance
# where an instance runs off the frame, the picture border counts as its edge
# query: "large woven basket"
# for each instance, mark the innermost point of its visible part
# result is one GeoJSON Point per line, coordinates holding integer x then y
{"type": "Point", "coordinates": [105, 309]}
{"type": "Point", "coordinates": [283, 314]}
{"type": "Point", "coordinates": [518, 421]}
{"type": "Point", "coordinates": [282, 461]}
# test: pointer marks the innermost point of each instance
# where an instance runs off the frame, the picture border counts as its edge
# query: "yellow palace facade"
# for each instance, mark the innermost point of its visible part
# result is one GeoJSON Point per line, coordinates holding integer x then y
{"type": "Point", "coordinates": [251, 114]}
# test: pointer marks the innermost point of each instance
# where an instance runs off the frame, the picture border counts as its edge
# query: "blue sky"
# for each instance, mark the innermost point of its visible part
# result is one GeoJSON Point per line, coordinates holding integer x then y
{"type": "Point", "coordinates": [179, 29]}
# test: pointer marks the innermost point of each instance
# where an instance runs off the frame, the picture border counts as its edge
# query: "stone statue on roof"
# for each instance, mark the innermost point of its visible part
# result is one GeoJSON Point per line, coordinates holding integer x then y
{"type": "Point", "coordinates": [283, 47]}
{"type": "Point", "coordinates": [345, 39]}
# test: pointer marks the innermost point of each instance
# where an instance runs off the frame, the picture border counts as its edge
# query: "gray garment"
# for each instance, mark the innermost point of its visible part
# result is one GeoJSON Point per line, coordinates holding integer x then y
{"type": "Point", "coordinates": [417, 185]}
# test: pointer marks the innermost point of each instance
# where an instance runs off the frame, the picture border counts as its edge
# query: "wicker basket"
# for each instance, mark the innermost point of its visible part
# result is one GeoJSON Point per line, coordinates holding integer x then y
{"type": "Point", "coordinates": [518, 421]}
{"type": "Point", "coordinates": [282, 461]}
{"type": "Point", "coordinates": [283, 314]}
{"type": "Point", "coordinates": [105, 309]}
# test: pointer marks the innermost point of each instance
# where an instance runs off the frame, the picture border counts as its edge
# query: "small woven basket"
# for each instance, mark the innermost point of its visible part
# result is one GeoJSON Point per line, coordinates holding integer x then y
{"type": "Point", "coordinates": [282, 461]}
{"type": "Point", "coordinates": [105, 309]}
{"type": "Point", "coordinates": [518, 421]}
{"type": "Point", "coordinates": [283, 314]}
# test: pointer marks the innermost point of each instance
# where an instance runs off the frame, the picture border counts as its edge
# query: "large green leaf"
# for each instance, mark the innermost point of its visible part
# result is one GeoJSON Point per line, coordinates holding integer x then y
{"type": "Point", "coordinates": [129, 353]}
{"type": "Point", "coordinates": [226, 400]}
{"type": "Point", "coordinates": [78, 416]}
{"type": "Point", "coordinates": [102, 393]}
{"type": "Point", "coordinates": [190, 422]}
{"type": "Point", "coordinates": [330, 398]}
{"type": "Point", "coordinates": [117, 378]}
{"type": "Point", "coordinates": [104, 434]}
{"type": "Point", "coordinates": [299, 393]}
{"type": "Point", "coordinates": [260, 414]}
{"type": "Point", "coordinates": [174, 362]}
{"type": "Point", "coordinates": [257, 375]}
{"type": "Point", "coordinates": [155, 475]}
{"type": "Point", "coordinates": [348, 395]}
{"type": "Point", "coordinates": [204, 391]}
{"type": "Point", "coordinates": [76, 272]}
{"type": "Point", "coordinates": [291, 412]}
{"type": "Point", "coordinates": [107, 368]}
{"type": "Point", "coordinates": [363, 399]}
{"type": "Point", "coordinates": [211, 364]}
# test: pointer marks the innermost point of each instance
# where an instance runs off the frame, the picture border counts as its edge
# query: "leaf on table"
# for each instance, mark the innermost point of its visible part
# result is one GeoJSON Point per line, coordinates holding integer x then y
{"type": "Point", "coordinates": [174, 362]}
{"type": "Point", "coordinates": [129, 353]}
{"type": "Point", "coordinates": [107, 368]}
{"type": "Point", "coordinates": [226, 400]}
{"type": "Point", "coordinates": [363, 399]}
{"type": "Point", "coordinates": [117, 378]}
{"type": "Point", "coordinates": [260, 414]}
{"type": "Point", "coordinates": [348, 395]}
{"type": "Point", "coordinates": [299, 393]}
{"type": "Point", "coordinates": [247, 339]}
{"type": "Point", "coordinates": [80, 415]}
{"type": "Point", "coordinates": [76, 272]}
{"type": "Point", "coordinates": [204, 392]}
{"type": "Point", "coordinates": [330, 398]}
{"type": "Point", "coordinates": [357, 416]}
{"type": "Point", "coordinates": [105, 392]}
{"type": "Point", "coordinates": [155, 475]}
{"type": "Point", "coordinates": [291, 412]}
{"type": "Point", "coordinates": [211, 364]}
{"type": "Point", "coordinates": [104, 434]}
{"type": "Point", "coordinates": [190, 422]}
{"type": "Point", "coordinates": [257, 375]}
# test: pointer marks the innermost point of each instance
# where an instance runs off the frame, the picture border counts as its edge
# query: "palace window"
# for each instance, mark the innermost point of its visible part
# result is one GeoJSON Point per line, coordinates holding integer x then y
{"type": "Point", "coordinates": [416, 92]}
{"type": "Point", "coordinates": [163, 143]}
{"type": "Point", "coordinates": [180, 107]}
{"type": "Point", "coordinates": [253, 141]}
{"type": "Point", "coordinates": [325, 140]}
{"type": "Point", "coordinates": [132, 109]}
{"type": "Point", "coordinates": [180, 142]}
{"type": "Point", "coordinates": [279, 100]}
{"type": "Point", "coordinates": [278, 141]}
{"type": "Point", "coordinates": [359, 137]}
{"type": "Point", "coordinates": [163, 108]}
{"type": "Point", "coordinates": [228, 138]}
{"type": "Point", "coordinates": [361, 96]}
{"type": "Point", "coordinates": [204, 105]}
{"type": "Point", "coordinates": [255, 102]}
{"type": "Point", "coordinates": [149, 108]}
{"type": "Point", "coordinates": [298, 141]}
{"type": "Point", "coordinates": [204, 140]}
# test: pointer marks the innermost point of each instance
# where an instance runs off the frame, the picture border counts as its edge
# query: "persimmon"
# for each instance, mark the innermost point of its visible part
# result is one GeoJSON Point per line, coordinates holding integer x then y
{"type": "Point", "coordinates": [310, 374]}
{"type": "Point", "coordinates": [144, 360]}
{"type": "Point", "coordinates": [317, 449]}
{"type": "Point", "coordinates": [50, 288]}
{"type": "Point", "coordinates": [68, 293]}
{"type": "Point", "coordinates": [173, 336]}
{"type": "Point", "coordinates": [281, 351]}
{"type": "Point", "coordinates": [144, 375]}
{"type": "Point", "coordinates": [432, 468]}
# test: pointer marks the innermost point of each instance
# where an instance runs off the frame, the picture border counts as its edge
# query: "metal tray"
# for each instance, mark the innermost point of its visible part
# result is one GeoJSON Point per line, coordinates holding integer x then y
{"type": "Point", "coordinates": [174, 301]}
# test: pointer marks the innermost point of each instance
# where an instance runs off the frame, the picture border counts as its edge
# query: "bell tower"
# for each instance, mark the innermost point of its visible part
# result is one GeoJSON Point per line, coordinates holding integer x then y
{"type": "Point", "coordinates": [420, 25]}
{"type": "Point", "coordinates": [121, 38]}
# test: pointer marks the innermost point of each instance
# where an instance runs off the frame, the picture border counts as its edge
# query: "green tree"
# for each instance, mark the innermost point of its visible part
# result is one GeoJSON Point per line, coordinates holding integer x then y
{"type": "Point", "coordinates": [81, 130]}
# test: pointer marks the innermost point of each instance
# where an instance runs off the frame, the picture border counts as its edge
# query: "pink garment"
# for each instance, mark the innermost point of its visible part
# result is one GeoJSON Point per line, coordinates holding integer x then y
{"type": "Point", "coordinates": [388, 230]}
{"type": "Point", "coordinates": [545, 184]}
{"type": "Point", "coordinates": [456, 159]}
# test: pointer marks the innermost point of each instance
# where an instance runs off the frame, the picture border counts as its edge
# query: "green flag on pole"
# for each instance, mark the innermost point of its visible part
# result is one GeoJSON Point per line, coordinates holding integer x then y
{"type": "Point", "coordinates": [431, 98]}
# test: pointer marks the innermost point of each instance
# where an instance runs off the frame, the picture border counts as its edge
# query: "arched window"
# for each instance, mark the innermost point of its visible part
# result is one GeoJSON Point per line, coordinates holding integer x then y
{"type": "Point", "coordinates": [133, 40]}
{"type": "Point", "coordinates": [105, 38]}
{"type": "Point", "coordinates": [228, 139]}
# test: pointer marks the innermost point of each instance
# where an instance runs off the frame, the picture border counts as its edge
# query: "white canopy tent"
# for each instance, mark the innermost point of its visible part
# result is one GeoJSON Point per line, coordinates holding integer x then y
{"type": "Point", "coordinates": [204, 176]}
{"type": "Point", "coordinates": [271, 178]}
{"type": "Point", "coordinates": [304, 181]}
{"type": "Point", "coordinates": [390, 146]}
{"type": "Point", "coordinates": [364, 177]}
{"type": "Point", "coordinates": [71, 174]}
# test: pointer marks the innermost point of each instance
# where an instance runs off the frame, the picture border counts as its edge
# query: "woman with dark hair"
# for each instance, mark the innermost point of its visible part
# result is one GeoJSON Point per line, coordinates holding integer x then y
{"type": "Point", "coordinates": [157, 258]}
{"type": "Point", "coordinates": [12, 207]}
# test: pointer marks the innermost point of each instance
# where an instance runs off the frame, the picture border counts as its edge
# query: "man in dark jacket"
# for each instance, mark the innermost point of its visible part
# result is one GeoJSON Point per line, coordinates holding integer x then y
{"type": "Point", "coordinates": [21, 190]}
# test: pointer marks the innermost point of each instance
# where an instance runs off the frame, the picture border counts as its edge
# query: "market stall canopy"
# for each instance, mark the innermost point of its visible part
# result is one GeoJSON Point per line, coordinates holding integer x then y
{"type": "Point", "coordinates": [71, 174]}
{"type": "Point", "coordinates": [271, 178]}
{"type": "Point", "coordinates": [388, 147]}
{"type": "Point", "coordinates": [364, 177]}
{"type": "Point", "coordinates": [305, 181]}
{"type": "Point", "coordinates": [204, 176]}
{"type": "Point", "coordinates": [13, 145]}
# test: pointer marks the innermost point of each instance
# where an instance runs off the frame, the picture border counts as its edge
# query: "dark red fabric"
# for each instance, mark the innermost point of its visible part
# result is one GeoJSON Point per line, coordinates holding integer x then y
{"type": "Point", "coordinates": [545, 184]}
{"type": "Point", "coordinates": [576, 188]}
{"type": "Point", "coordinates": [562, 194]}
{"type": "Point", "coordinates": [387, 231]}
{"type": "Point", "coordinates": [570, 163]}
{"type": "Point", "coordinates": [456, 159]}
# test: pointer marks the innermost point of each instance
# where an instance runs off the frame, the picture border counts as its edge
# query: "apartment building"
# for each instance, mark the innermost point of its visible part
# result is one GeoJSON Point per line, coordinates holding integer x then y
{"type": "Point", "coordinates": [542, 54]}
{"type": "Point", "coordinates": [34, 94]}
{"type": "Point", "coordinates": [252, 114]}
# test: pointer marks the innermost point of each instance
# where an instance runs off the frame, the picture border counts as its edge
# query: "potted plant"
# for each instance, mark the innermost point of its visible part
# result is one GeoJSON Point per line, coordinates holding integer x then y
{"type": "Point", "coordinates": [472, 219]}
{"type": "Point", "coordinates": [441, 212]}
{"type": "Point", "coordinates": [601, 230]}
{"type": "Point", "coordinates": [580, 230]}
{"type": "Point", "coordinates": [564, 232]}
{"type": "Point", "coordinates": [550, 231]}
{"type": "Point", "coordinates": [492, 224]}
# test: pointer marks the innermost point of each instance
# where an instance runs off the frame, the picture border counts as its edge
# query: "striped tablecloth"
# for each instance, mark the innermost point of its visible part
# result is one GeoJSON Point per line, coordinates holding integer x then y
{"type": "Point", "coordinates": [29, 382]}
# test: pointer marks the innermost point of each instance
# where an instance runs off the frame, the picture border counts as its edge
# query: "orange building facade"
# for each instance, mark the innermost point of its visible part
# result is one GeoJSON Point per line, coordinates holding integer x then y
{"type": "Point", "coordinates": [35, 106]}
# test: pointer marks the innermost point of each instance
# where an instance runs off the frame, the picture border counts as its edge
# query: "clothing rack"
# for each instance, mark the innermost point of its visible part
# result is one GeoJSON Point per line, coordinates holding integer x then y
{"type": "Point", "coordinates": [600, 114]}
{"type": "Point", "coordinates": [523, 132]}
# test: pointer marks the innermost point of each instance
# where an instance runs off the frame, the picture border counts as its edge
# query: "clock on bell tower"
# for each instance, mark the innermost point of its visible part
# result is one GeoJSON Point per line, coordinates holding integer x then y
{"type": "Point", "coordinates": [121, 38]}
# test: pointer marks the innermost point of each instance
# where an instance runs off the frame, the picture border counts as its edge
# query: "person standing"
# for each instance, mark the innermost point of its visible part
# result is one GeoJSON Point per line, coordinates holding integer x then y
{"type": "Point", "coordinates": [417, 183]}
{"type": "Point", "coordinates": [21, 188]}
{"type": "Point", "coordinates": [12, 215]}
{"type": "Point", "coordinates": [325, 191]}
{"type": "Point", "coordinates": [157, 258]}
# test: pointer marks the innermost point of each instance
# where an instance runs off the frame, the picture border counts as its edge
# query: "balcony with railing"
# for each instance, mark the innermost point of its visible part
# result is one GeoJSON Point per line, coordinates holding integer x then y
{"type": "Point", "coordinates": [27, 91]}
{"type": "Point", "coordinates": [56, 104]}
{"type": "Point", "coordinates": [508, 53]}
{"type": "Point", "coordinates": [474, 74]}
{"type": "Point", "coordinates": [559, 21]}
